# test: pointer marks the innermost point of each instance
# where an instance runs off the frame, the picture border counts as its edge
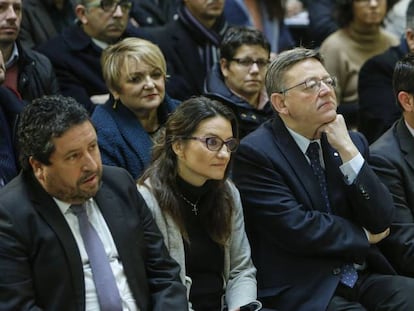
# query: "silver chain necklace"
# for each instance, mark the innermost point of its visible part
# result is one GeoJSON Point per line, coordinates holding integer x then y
{"type": "Point", "coordinates": [194, 208]}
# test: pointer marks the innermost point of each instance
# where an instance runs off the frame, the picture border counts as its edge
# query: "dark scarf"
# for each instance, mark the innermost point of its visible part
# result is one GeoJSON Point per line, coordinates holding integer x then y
{"type": "Point", "coordinates": [208, 40]}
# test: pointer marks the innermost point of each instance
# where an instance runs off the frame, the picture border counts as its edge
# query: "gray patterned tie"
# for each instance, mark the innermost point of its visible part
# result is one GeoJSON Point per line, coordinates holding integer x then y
{"type": "Point", "coordinates": [103, 277]}
{"type": "Point", "coordinates": [349, 274]}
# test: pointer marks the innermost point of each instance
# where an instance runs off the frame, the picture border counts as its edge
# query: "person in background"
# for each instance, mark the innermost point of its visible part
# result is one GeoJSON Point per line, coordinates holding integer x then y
{"type": "Point", "coordinates": [127, 124]}
{"type": "Point", "coordinates": [392, 158]}
{"type": "Point", "coordinates": [314, 209]}
{"type": "Point", "coordinates": [190, 45]}
{"type": "Point", "coordinates": [10, 107]}
{"type": "Point", "coordinates": [238, 80]}
{"type": "Point", "coordinates": [266, 16]}
{"type": "Point", "coordinates": [44, 19]}
{"type": "Point", "coordinates": [28, 73]}
{"type": "Point", "coordinates": [358, 38]}
{"type": "Point", "coordinates": [75, 53]}
{"type": "Point", "coordinates": [76, 235]}
{"type": "Point", "coordinates": [198, 209]}
{"type": "Point", "coordinates": [378, 108]}
{"type": "Point", "coordinates": [154, 13]}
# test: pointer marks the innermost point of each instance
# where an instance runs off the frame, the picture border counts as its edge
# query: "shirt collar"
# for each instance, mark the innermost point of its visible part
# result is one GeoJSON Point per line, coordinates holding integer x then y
{"type": "Point", "coordinates": [302, 141]}
{"type": "Point", "coordinates": [13, 57]}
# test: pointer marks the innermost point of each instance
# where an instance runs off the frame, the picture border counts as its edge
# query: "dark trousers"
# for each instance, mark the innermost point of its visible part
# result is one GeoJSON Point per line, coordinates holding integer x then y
{"type": "Point", "coordinates": [375, 292]}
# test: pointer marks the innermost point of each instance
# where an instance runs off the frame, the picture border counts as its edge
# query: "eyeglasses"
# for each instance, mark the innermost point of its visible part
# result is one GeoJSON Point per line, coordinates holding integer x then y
{"type": "Point", "coordinates": [216, 143]}
{"type": "Point", "coordinates": [248, 62]}
{"type": "Point", "coordinates": [313, 84]}
{"type": "Point", "coordinates": [367, 2]}
{"type": "Point", "coordinates": [111, 5]}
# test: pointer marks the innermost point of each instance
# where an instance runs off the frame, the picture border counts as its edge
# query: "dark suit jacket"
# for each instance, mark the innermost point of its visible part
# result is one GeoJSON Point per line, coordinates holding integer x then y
{"type": "Point", "coordinates": [40, 265]}
{"type": "Point", "coordinates": [299, 249]}
{"type": "Point", "coordinates": [37, 24]}
{"type": "Point", "coordinates": [76, 60]}
{"type": "Point", "coordinates": [378, 108]}
{"type": "Point", "coordinates": [392, 157]}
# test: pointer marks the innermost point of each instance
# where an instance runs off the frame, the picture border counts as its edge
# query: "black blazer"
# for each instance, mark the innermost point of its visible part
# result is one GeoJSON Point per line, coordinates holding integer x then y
{"type": "Point", "coordinates": [40, 265]}
{"type": "Point", "coordinates": [392, 157]}
{"type": "Point", "coordinates": [299, 249]}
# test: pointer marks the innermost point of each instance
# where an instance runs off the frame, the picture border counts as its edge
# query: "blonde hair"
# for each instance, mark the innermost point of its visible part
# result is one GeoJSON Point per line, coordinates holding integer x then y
{"type": "Point", "coordinates": [115, 57]}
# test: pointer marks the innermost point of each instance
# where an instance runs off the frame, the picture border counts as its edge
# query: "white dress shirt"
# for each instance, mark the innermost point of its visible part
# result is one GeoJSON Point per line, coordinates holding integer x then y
{"type": "Point", "coordinates": [98, 222]}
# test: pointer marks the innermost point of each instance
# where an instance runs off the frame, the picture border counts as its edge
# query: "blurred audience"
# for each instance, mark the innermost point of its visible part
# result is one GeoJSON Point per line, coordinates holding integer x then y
{"type": "Point", "coordinates": [190, 45]}
{"type": "Point", "coordinates": [127, 124]}
{"type": "Point", "coordinates": [266, 16]}
{"type": "Point", "coordinates": [44, 19]}
{"type": "Point", "coordinates": [238, 80]}
{"type": "Point", "coordinates": [378, 108]}
{"type": "Point", "coordinates": [359, 37]}
{"type": "Point", "coordinates": [28, 73]}
{"type": "Point", "coordinates": [76, 52]}
{"type": "Point", "coordinates": [152, 13]}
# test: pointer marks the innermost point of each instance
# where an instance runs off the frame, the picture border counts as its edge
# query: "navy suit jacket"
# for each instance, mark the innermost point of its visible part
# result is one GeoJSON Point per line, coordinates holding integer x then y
{"type": "Point", "coordinates": [40, 264]}
{"type": "Point", "coordinates": [392, 157]}
{"type": "Point", "coordinates": [298, 248]}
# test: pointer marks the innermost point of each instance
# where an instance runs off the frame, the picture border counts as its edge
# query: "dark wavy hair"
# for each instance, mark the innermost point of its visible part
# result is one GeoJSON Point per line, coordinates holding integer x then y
{"type": "Point", "coordinates": [344, 13]}
{"type": "Point", "coordinates": [163, 171]}
{"type": "Point", "coordinates": [42, 120]}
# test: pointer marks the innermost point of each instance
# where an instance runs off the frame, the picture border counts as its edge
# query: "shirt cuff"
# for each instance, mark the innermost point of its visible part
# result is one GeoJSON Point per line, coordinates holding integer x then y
{"type": "Point", "coordinates": [351, 169]}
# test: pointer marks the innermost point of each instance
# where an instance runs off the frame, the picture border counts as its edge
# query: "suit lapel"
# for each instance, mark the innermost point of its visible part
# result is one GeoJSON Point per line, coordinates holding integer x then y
{"type": "Point", "coordinates": [50, 212]}
{"type": "Point", "coordinates": [299, 165]}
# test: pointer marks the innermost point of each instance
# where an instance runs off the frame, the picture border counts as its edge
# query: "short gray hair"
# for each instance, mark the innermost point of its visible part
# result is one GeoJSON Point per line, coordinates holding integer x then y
{"type": "Point", "coordinates": [275, 76]}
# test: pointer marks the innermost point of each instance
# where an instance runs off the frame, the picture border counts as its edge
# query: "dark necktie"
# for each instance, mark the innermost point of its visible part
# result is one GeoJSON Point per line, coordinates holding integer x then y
{"type": "Point", "coordinates": [313, 153]}
{"type": "Point", "coordinates": [103, 277]}
{"type": "Point", "coordinates": [349, 274]}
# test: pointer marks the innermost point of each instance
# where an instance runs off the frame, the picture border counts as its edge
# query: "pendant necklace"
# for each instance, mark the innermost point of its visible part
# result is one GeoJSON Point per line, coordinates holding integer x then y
{"type": "Point", "coordinates": [194, 208]}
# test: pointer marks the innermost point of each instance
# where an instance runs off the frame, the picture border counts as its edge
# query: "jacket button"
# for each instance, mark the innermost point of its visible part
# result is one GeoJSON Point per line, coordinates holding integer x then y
{"type": "Point", "coordinates": [336, 271]}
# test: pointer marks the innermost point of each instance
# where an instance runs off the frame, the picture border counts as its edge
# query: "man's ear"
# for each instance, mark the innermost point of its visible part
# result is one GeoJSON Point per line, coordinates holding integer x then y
{"type": "Point", "coordinates": [38, 168]}
{"type": "Point", "coordinates": [278, 103]}
{"type": "Point", "coordinates": [80, 11]}
{"type": "Point", "coordinates": [406, 101]}
{"type": "Point", "coordinates": [224, 65]}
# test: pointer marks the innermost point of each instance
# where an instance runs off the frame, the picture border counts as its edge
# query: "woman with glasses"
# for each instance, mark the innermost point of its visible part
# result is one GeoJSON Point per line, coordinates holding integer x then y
{"type": "Point", "coordinates": [128, 123]}
{"type": "Point", "coordinates": [238, 80]}
{"type": "Point", "coordinates": [197, 208]}
{"type": "Point", "coordinates": [359, 37]}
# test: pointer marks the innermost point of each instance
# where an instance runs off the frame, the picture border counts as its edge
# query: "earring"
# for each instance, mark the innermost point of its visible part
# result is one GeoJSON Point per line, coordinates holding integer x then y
{"type": "Point", "coordinates": [115, 104]}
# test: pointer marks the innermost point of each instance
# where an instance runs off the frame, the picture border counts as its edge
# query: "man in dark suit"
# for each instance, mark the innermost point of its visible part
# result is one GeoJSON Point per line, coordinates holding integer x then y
{"type": "Point", "coordinates": [76, 52]}
{"type": "Point", "coordinates": [190, 45]}
{"type": "Point", "coordinates": [378, 109]}
{"type": "Point", "coordinates": [392, 157]}
{"type": "Point", "coordinates": [46, 259]}
{"type": "Point", "coordinates": [314, 209]}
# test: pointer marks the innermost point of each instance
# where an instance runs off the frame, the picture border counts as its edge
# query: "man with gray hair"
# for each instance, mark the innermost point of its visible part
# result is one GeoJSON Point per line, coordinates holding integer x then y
{"type": "Point", "coordinates": [314, 209]}
{"type": "Point", "coordinates": [378, 108]}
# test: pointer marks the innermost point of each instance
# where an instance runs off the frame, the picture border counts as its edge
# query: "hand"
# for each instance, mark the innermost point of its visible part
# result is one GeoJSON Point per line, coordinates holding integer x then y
{"type": "Point", "coordinates": [375, 238]}
{"type": "Point", "coordinates": [338, 136]}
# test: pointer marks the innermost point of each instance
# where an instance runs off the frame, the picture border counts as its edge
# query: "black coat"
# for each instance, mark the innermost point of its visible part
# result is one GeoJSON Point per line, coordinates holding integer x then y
{"type": "Point", "coordinates": [378, 108]}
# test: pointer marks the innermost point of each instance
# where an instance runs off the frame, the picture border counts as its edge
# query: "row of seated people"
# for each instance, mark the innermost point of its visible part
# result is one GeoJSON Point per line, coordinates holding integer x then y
{"type": "Point", "coordinates": [325, 232]}
{"type": "Point", "coordinates": [280, 105]}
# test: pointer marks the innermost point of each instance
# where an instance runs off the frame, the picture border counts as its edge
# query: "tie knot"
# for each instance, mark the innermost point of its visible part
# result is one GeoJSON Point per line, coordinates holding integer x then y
{"type": "Point", "coordinates": [78, 209]}
{"type": "Point", "coordinates": [313, 150]}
